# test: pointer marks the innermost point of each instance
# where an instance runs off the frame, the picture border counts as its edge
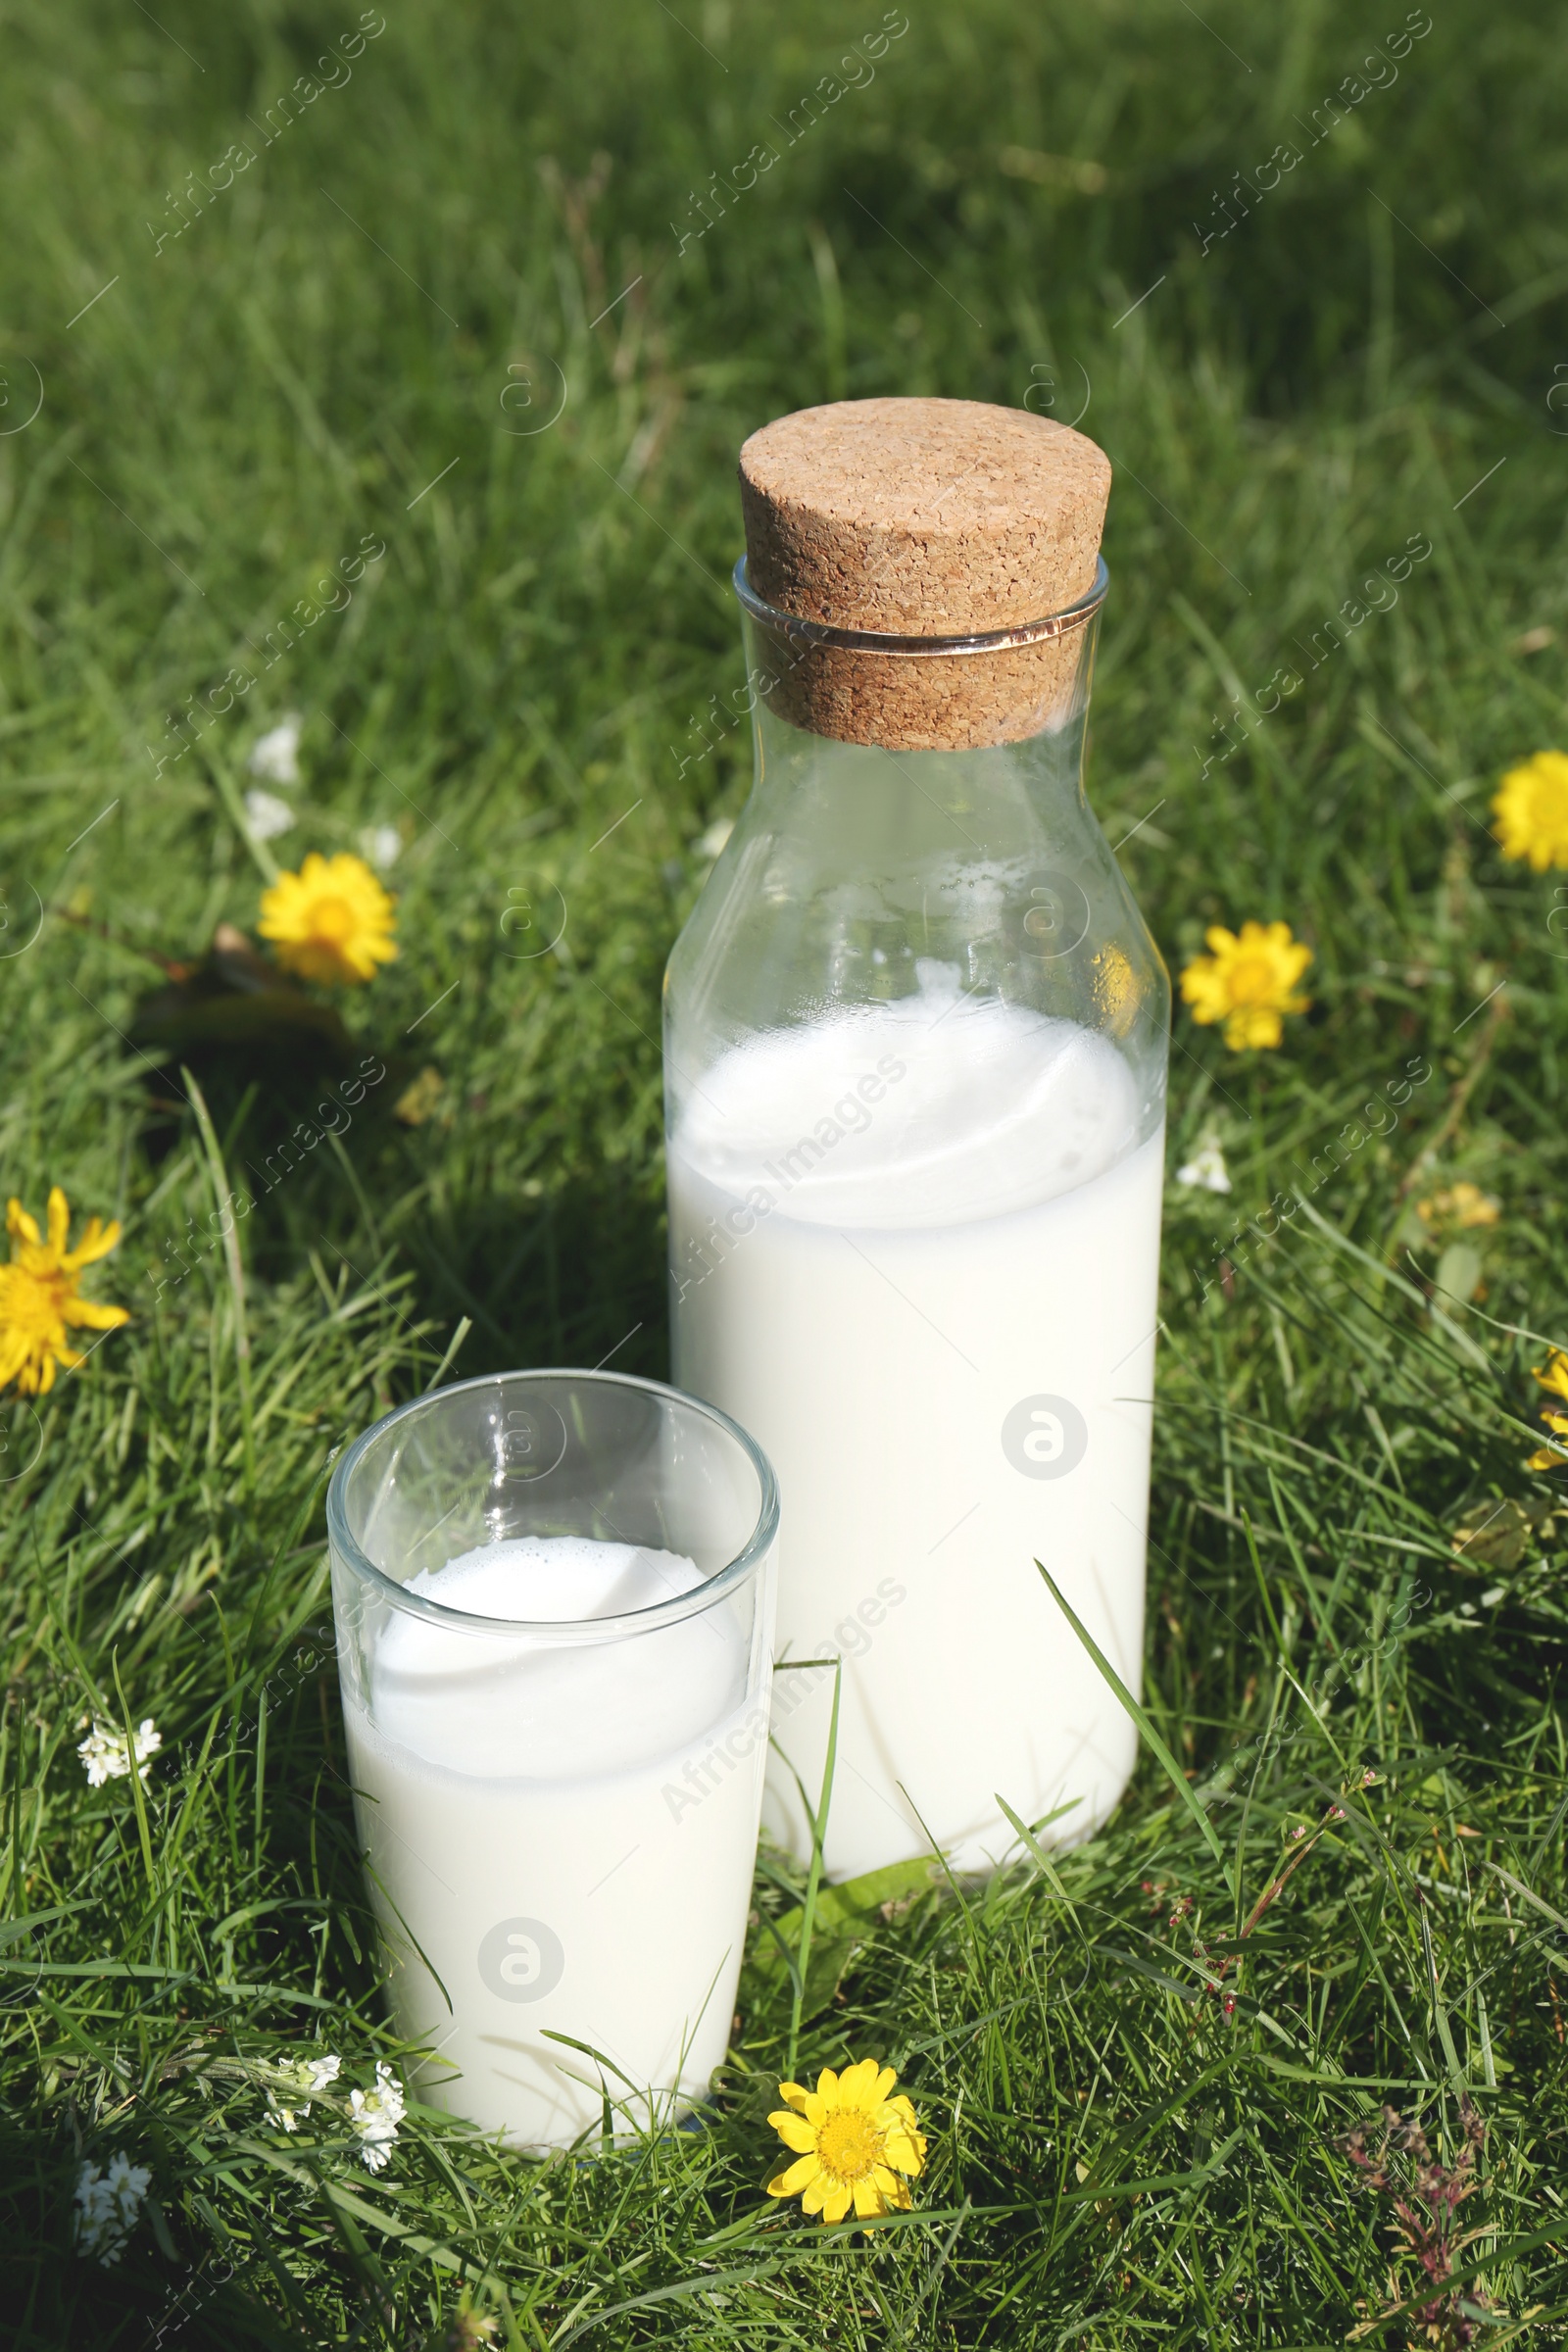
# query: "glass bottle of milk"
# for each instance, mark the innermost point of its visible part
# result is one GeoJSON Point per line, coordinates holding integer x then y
{"type": "Point", "coordinates": [915, 1048]}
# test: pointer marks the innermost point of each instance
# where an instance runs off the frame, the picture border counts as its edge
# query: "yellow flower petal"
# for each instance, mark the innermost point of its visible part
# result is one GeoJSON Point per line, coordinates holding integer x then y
{"type": "Point", "coordinates": [906, 2146]}
{"type": "Point", "coordinates": [858, 2084]}
{"type": "Point", "coordinates": [96, 1242]}
{"type": "Point", "coordinates": [19, 1226]}
{"type": "Point", "coordinates": [796, 2177]}
{"type": "Point", "coordinates": [95, 1318]}
{"type": "Point", "coordinates": [793, 2131]}
{"type": "Point", "coordinates": [836, 2203]}
{"type": "Point", "coordinates": [868, 2200]}
{"type": "Point", "coordinates": [58, 1215]}
{"type": "Point", "coordinates": [1252, 1027]}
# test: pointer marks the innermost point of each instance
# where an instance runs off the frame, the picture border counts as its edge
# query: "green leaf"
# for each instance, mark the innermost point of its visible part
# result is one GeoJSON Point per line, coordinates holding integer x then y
{"type": "Point", "coordinates": [844, 1916]}
{"type": "Point", "coordinates": [1493, 1535]}
{"type": "Point", "coordinates": [1458, 1274]}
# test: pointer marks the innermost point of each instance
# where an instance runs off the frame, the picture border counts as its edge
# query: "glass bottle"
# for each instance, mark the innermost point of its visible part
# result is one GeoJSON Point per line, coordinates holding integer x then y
{"type": "Point", "coordinates": [915, 1049]}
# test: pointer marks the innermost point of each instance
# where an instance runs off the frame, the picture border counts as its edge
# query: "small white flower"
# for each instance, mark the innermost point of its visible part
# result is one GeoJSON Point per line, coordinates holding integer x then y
{"type": "Point", "coordinates": [1207, 1169]}
{"type": "Point", "coordinates": [109, 2203]}
{"type": "Point", "coordinates": [381, 844]}
{"type": "Point", "coordinates": [310, 2075]}
{"type": "Point", "coordinates": [714, 840]}
{"type": "Point", "coordinates": [274, 755]}
{"type": "Point", "coordinates": [375, 2117]}
{"type": "Point", "coordinates": [107, 1757]}
{"type": "Point", "coordinates": [267, 815]}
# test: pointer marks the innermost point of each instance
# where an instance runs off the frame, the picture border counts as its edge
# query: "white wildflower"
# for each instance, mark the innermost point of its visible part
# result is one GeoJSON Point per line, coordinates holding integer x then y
{"type": "Point", "coordinates": [306, 2075]}
{"type": "Point", "coordinates": [375, 2117]}
{"type": "Point", "coordinates": [107, 1757]}
{"type": "Point", "coordinates": [1207, 1169]}
{"type": "Point", "coordinates": [714, 839]}
{"type": "Point", "coordinates": [267, 815]}
{"type": "Point", "coordinates": [275, 755]}
{"type": "Point", "coordinates": [109, 2203]}
{"type": "Point", "coordinates": [382, 845]}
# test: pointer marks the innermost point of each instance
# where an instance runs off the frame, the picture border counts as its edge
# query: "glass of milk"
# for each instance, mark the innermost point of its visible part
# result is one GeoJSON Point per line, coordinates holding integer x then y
{"type": "Point", "coordinates": [554, 1600]}
{"type": "Point", "coordinates": [915, 1051]}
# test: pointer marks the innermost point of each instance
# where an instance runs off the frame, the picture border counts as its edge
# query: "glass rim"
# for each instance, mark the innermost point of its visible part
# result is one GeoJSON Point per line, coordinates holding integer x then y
{"type": "Point", "coordinates": [565, 1629]}
{"type": "Point", "coordinates": [818, 633]}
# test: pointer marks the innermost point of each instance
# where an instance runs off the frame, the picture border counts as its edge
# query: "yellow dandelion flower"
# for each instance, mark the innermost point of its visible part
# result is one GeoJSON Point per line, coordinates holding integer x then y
{"type": "Point", "coordinates": [851, 2141]}
{"type": "Point", "coordinates": [39, 1302]}
{"type": "Point", "coordinates": [1465, 1205]}
{"type": "Point", "coordinates": [1553, 1378]}
{"type": "Point", "coordinates": [1245, 981]}
{"type": "Point", "coordinates": [331, 921]}
{"type": "Point", "coordinates": [1549, 1456]}
{"type": "Point", "coordinates": [1531, 811]}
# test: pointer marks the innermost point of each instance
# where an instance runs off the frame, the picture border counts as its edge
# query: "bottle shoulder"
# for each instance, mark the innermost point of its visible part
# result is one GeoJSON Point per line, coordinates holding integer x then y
{"type": "Point", "coordinates": [802, 916]}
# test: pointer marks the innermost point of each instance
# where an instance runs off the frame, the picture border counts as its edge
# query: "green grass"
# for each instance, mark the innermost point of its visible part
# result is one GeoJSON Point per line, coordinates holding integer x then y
{"type": "Point", "coordinates": [1116, 2157]}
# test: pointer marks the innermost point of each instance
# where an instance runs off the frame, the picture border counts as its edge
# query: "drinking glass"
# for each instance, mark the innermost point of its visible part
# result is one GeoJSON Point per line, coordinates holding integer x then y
{"type": "Point", "coordinates": [558, 1798]}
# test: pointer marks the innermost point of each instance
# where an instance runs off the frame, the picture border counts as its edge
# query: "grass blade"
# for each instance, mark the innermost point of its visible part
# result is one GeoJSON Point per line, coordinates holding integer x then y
{"type": "Point", "coordinates": [1152, 1738]}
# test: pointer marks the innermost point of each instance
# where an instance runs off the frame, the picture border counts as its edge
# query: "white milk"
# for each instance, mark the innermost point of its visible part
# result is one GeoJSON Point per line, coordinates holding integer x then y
{"type": "Point", "coordinates": [567, 1832]}
{"type": "Point", "coordinates": [902, 1238]}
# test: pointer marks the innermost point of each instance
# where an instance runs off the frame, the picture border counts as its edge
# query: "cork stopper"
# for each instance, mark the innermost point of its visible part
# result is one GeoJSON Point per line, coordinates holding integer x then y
{"type": "Point", "coordinates": [922, 518]}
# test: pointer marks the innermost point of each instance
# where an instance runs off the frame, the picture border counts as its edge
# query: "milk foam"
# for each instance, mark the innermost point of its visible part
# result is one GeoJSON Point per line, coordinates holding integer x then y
{"type": "Point", "coordinates": [930, 1109]}
{"type": "Point", "coordinates": [539, 1706]}
{"type": "Point", "coordinates": [556, 1578]}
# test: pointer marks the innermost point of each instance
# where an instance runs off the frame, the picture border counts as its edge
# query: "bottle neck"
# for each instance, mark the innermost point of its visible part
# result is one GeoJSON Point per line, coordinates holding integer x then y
{"type": "Point", "coordinates": [864, 873]}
